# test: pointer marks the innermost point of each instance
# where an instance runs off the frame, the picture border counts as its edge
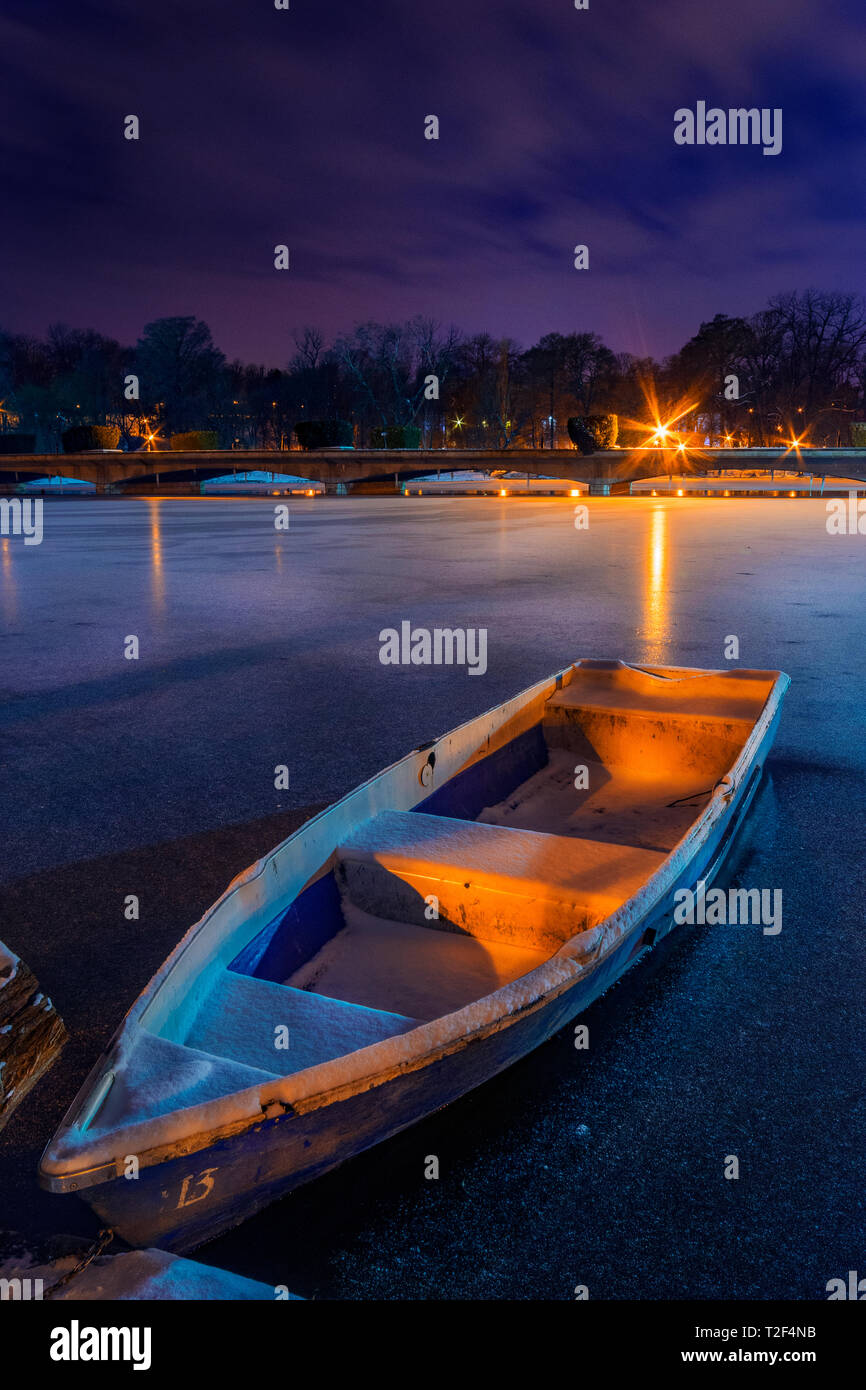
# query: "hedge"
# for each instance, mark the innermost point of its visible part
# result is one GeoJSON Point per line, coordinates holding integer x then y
{"type": "Point", "coordinates": [194, 440]}
{"type": "Point", "coordinates": [84, 439]}
{"type": "Point", "coordinates": [324, 434]}
{"type": "Point", "coordinates": [17, 443]}
{"type": "Point", "coordinates": [396, 437]}
{"type": "Point", "coordinates": [580, 435]}
{"type": "Point", "coordinates": [603, 430]}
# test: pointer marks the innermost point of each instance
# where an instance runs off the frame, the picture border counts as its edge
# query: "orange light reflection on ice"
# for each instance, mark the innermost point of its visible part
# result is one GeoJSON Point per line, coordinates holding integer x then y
{"type": "Point", "coordinates": [655, 600]}
{"type": "Point", "coordinates": [9, 590]}
{"type": "Point", "coordinates": [157, 576]}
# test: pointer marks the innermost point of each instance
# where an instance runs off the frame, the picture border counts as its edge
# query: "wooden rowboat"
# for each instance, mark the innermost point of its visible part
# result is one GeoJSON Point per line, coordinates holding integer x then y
{"type": "Point", "coordinates": [412, 941]}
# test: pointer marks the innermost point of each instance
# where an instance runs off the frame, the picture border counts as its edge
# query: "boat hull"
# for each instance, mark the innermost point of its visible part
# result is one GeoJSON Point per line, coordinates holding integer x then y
{"type": "Point", "coordinates": [180, 1203]}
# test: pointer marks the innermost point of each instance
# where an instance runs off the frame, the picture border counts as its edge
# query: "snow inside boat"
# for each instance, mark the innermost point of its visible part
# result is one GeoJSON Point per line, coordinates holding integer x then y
{"type": "Point", "coordinates": [412, 941]}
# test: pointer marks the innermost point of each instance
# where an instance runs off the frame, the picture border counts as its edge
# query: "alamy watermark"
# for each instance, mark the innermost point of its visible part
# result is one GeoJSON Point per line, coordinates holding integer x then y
{"type": "Point", "coordinates": [21, 1290]}
{"type": "Point", "coordinates": [851, 1288]}
{"type": "Point", "coordinates": [77, 1343]}
{"type": "Point", "coordinates": [846, 518]}
{"type": "Point", "coordinates": [738, 906]}
{"type": "Point", "coordinates": [736, 126]}
{"type": "Point", "coordinates": [22, 516]}
{"type": "Point", "coordinates": [441, 646]}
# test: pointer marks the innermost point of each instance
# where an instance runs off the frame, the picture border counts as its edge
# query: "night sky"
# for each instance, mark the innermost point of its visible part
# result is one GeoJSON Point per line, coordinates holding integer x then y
{"type": "Point", "coordinates": [306, 127]}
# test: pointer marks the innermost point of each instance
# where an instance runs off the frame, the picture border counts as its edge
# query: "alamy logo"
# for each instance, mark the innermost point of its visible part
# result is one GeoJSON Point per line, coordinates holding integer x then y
{"type": "Point", "coordinates": [846, 518]}
{"type": "Point", "coordinates": [22, 517]}
{"type": "Point", "coordinates": [21, 1290]}
{"type": "Point", "coordinates": [77, 1343]}
{"type": "Point", "coordinates": [854, 1289]}
{"type": "Point", "coordinates": [443, 646]}
{"type": "Point", "coordinates": [739, 906]}
{"type": "Point", "coordinates": [737, 126]}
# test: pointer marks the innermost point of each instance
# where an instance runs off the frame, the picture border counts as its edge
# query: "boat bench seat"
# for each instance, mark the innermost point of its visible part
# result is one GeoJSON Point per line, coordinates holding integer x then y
{"type": "Point", "coordinates": [495, 883]}
{"type": "Point", "coordinates": [242, 1019]}
{"type": "Point", "coordinates": [723, 695]}
{"type": "Point", "coordinates": [667, 729]}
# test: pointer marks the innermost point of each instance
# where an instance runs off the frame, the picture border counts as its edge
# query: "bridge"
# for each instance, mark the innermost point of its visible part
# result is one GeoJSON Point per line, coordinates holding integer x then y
{"type": "Point", "coordinates": [117, 470]}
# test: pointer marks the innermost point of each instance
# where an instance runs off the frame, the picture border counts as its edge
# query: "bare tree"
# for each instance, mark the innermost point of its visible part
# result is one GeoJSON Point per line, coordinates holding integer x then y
{"type": "Point", "coordinates": [390, 366]}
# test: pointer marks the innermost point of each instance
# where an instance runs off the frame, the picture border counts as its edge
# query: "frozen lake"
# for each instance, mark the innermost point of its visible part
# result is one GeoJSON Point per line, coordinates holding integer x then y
{"type": "Point", "coordinates": [260, 647]}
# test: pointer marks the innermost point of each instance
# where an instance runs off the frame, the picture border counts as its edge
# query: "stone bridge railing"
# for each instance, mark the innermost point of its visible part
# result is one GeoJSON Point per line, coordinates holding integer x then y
{"type": "Point", "coordinates": [334, 466]}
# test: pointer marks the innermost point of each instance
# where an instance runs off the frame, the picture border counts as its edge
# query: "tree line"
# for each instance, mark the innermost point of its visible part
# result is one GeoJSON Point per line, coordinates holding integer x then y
{"type": "Point", "coordinates": [796, 368]}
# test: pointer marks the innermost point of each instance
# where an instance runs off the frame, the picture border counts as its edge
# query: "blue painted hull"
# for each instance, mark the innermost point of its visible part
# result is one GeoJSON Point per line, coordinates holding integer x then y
{"type": "Point", "coordinates": [183, 1202]}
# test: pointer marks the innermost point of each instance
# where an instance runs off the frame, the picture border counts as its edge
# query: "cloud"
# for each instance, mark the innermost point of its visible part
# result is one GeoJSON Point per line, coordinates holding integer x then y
{"type": "Point", "coordinates": [306, 127]}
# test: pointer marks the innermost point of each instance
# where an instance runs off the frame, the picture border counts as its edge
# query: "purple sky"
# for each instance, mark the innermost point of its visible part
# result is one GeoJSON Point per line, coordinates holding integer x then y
{"type": "Point", "coordinates": [306, 127]}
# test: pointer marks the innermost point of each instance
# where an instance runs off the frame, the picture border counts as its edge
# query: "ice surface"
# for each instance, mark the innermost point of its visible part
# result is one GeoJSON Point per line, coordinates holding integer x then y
{"type": "Point", "coordinates": [650, 580]}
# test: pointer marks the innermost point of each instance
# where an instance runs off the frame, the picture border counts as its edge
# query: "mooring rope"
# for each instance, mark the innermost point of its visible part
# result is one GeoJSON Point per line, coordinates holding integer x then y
{"type": "Point", "coordinates": [709, 792]}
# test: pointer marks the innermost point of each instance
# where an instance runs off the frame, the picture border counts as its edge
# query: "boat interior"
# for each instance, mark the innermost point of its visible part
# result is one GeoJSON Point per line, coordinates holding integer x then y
{"type": "Point", "coordinates": [419, 912]}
